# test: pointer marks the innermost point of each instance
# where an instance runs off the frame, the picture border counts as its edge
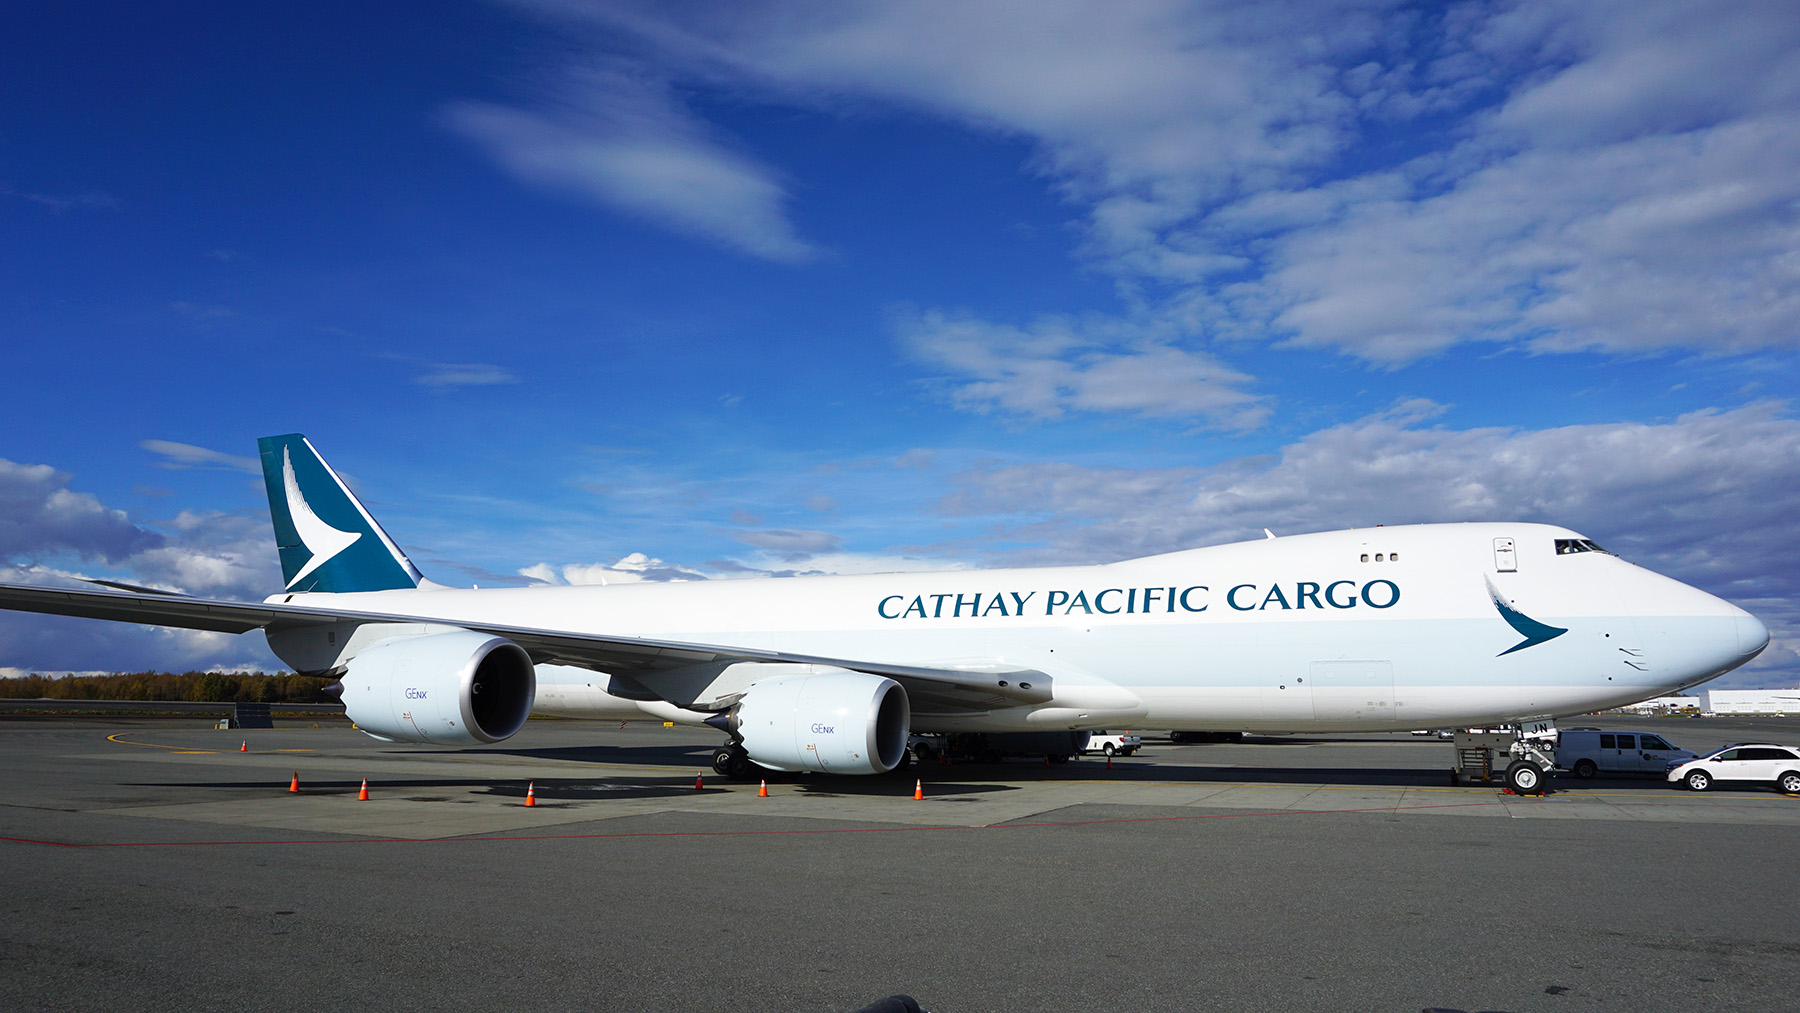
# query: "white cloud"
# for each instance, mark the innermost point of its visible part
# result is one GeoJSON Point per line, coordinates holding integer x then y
{"type": "Point", "coordinates": [52, 535]}
{"type": "Point", "coordinates": [213, 554]}
{"type": "Point", "coordinates": [1637, 190]}
{"type": "Point", "coordinates": [39, 515]}
{"type": "Point", "coordinates": [8, 672]}
{"type": "Point", "coordinates": [1388, 180]}
{"type": "Point", "coordinates": [1142, 94]}
{"type": "Point", "coordinates": [1657, 242]}
{"type": "Point", "coordinates": [451, 375]}
{"type": "Point", "coordinates": [181, 456]}
{"type": "Point", "coordinates": [790, 544]}
{"type": "Point", "coordinates": [638, 567]}
{"type": "Point", "coordinates": [58, 203]}
{"type": "Point", "coordinates": [635, 568]}
{"type": "Point", "coordinates": [621, 138]}
{"type": "Point", "coordinates": [201, 312]}
{"type": "Point", "coordinates": [1058, 366]}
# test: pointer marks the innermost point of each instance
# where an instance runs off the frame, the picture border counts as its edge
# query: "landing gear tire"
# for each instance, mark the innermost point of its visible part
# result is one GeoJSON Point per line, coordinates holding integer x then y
{"type": "Point", "coordinates": [1698, 780]}
{"type": "Point", "coordinates": [731, 761]}
{"type": "Point", "coordinates": [1586, 769]}
{"type": "Point", "coordinates": [1525, 778]}
{"type": "Point", "coordinates": [740, 768]}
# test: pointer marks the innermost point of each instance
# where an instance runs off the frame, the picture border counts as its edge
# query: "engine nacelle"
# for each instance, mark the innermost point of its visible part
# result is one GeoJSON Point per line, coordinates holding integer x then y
{"type": "Point", "coordinates": [450, 689]}
{"type": "Point", "coordinates": [823, 719]}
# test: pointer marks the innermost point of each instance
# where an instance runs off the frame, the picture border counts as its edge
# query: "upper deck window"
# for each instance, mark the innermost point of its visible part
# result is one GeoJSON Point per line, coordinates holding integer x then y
{"type": "Point", "coordinates": [1570, 546]}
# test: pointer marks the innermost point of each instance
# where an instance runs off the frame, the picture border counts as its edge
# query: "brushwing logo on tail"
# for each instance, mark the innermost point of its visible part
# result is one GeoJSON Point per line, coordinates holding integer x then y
{"type": "Point", "coordinates": [1534, 632]}
{"type": "Point", "coordinates": [320, 538]}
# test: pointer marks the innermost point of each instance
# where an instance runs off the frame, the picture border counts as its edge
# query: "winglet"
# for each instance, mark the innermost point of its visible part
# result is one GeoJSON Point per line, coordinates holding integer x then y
{"type": "Point", "coordinates": [327, 540]}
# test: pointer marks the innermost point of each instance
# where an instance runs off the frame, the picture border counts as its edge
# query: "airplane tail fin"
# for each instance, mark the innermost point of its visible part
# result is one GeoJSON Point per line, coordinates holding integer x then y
{"type": "Point", "coordinates": [327, 540]}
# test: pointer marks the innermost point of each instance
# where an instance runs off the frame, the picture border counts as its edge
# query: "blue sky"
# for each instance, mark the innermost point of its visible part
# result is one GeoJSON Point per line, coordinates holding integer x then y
{"type": "Point", "coordinates": [652, 290]}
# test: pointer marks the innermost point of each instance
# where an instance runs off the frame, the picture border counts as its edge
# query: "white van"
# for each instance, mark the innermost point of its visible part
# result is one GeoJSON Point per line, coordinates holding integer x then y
{"type": "Point", "coordinates": [1585, 752]}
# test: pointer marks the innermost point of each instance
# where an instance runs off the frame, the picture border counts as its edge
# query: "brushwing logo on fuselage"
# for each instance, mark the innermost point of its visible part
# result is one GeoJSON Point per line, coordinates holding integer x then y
{"type": "Point", "coordinates": [320, 538]}
{"type": "Point", "coordinates": [1534, 632]}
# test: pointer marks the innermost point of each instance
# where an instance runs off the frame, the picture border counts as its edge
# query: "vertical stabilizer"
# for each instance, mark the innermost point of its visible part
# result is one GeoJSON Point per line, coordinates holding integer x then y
{"type": "Point", "coordinates": [327, 541]}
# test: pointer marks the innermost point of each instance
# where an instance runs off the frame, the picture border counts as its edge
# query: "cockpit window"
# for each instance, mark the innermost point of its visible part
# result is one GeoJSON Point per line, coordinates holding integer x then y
{"type": "Point", "coordinates": [1570, 546]}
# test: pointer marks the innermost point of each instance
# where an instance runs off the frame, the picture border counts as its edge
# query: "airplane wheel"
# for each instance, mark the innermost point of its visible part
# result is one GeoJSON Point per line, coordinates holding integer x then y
{"type": "Point", "coordinates": [1525, 778]}
{"type": "Point", "coordinates": [739, 767]}
{"type": "Point", "coordinates": [721, 761]}
{"type": "Point", "coordinates": [1586, 769]}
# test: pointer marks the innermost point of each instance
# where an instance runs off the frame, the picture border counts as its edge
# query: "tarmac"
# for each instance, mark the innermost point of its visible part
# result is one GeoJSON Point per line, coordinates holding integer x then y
{"type": "Point", "coordinates": [149, 863]}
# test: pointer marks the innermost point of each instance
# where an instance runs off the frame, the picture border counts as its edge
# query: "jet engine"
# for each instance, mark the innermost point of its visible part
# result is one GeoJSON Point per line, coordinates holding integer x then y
{"type": "Point", "coordinates": [829, 720]}
{"type": "Point", "coordinates": [449, 689]}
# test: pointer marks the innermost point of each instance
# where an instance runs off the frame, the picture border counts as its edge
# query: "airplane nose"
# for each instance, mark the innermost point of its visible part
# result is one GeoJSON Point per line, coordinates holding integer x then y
{"type": "Point", "coordinates": [1753, 636]}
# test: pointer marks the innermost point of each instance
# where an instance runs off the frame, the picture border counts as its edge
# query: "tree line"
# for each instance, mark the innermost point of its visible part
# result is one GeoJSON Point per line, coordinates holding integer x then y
{"type": "Point", "coordinates": [207, 687]}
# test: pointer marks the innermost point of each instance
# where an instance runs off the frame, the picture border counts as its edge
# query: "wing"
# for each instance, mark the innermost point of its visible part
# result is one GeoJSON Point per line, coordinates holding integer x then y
{"type": "Point", "coordinates": [958, 688]}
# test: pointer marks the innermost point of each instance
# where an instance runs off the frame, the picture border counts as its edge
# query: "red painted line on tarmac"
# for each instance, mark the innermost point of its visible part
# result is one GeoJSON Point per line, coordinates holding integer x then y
{"type": "Point", "coordinates": [744, 833]}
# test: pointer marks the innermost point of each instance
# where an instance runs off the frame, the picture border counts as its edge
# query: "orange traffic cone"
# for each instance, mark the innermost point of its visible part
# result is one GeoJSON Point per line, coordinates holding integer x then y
{"type": "Point", "coordinates": [763, 792]}
{"type": "Point", "coordinates": [530, 794]}
{"type": "Point", "coordinates": [294, 785]}
{"type": "Point", "coordinates": [919, 790]}
{"type": "Point", "coordinates": [363, 795]}
{"type": "Point", "coordinates": [698, 783]}
{"type": "Point", "coordinates": [244, 746]}
{"type": "Point", "coordinates": [1108, 761]}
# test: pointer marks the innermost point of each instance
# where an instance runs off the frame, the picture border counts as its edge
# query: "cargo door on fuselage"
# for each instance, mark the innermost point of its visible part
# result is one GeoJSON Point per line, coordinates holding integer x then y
{"type": "Point", "coordinates": [1352, 692]}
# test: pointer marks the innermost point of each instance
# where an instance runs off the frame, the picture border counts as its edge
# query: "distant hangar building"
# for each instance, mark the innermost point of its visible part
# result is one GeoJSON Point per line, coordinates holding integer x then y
{"type": "Point", "coordinates": [1750, 701]}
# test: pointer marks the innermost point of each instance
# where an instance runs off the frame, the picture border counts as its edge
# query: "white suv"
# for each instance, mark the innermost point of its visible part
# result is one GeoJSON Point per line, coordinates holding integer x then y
{"type": "Point", "coordinates": [1779, 765]}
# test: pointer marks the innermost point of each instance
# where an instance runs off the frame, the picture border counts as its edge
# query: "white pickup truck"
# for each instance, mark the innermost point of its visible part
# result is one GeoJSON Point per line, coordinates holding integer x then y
{"type": "Point", "coordinates": [1122, 743]}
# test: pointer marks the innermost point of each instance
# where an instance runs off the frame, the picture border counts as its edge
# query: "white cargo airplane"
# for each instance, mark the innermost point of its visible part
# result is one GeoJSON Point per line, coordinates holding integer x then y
{"type": "Point", "coordinates": [1389, 628]}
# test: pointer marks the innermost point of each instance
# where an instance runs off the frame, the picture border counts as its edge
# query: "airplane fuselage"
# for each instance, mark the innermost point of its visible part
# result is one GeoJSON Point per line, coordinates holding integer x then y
{"type": "Point", "coordinates": [1377, 629]}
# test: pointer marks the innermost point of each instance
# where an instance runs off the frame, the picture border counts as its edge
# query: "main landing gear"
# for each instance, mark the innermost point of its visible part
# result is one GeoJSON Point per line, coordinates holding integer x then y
{"type": "Point", "coordinates": [730, 760]}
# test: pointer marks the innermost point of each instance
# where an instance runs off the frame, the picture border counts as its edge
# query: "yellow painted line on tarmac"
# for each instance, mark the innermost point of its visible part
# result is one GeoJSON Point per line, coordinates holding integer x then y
{"type": "Point", "coordinates": [1264, 784]}
{"type": "Point", "coordinates": [119, 737]}
{"type": "Point", "coordinates": [1642, 799]}
{"type": "Point", "coordinates": [294, 750]}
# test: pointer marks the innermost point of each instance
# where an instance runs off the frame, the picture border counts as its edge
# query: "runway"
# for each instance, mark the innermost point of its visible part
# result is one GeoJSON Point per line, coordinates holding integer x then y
{"type": "Point", "coordinates": [150, 864]}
